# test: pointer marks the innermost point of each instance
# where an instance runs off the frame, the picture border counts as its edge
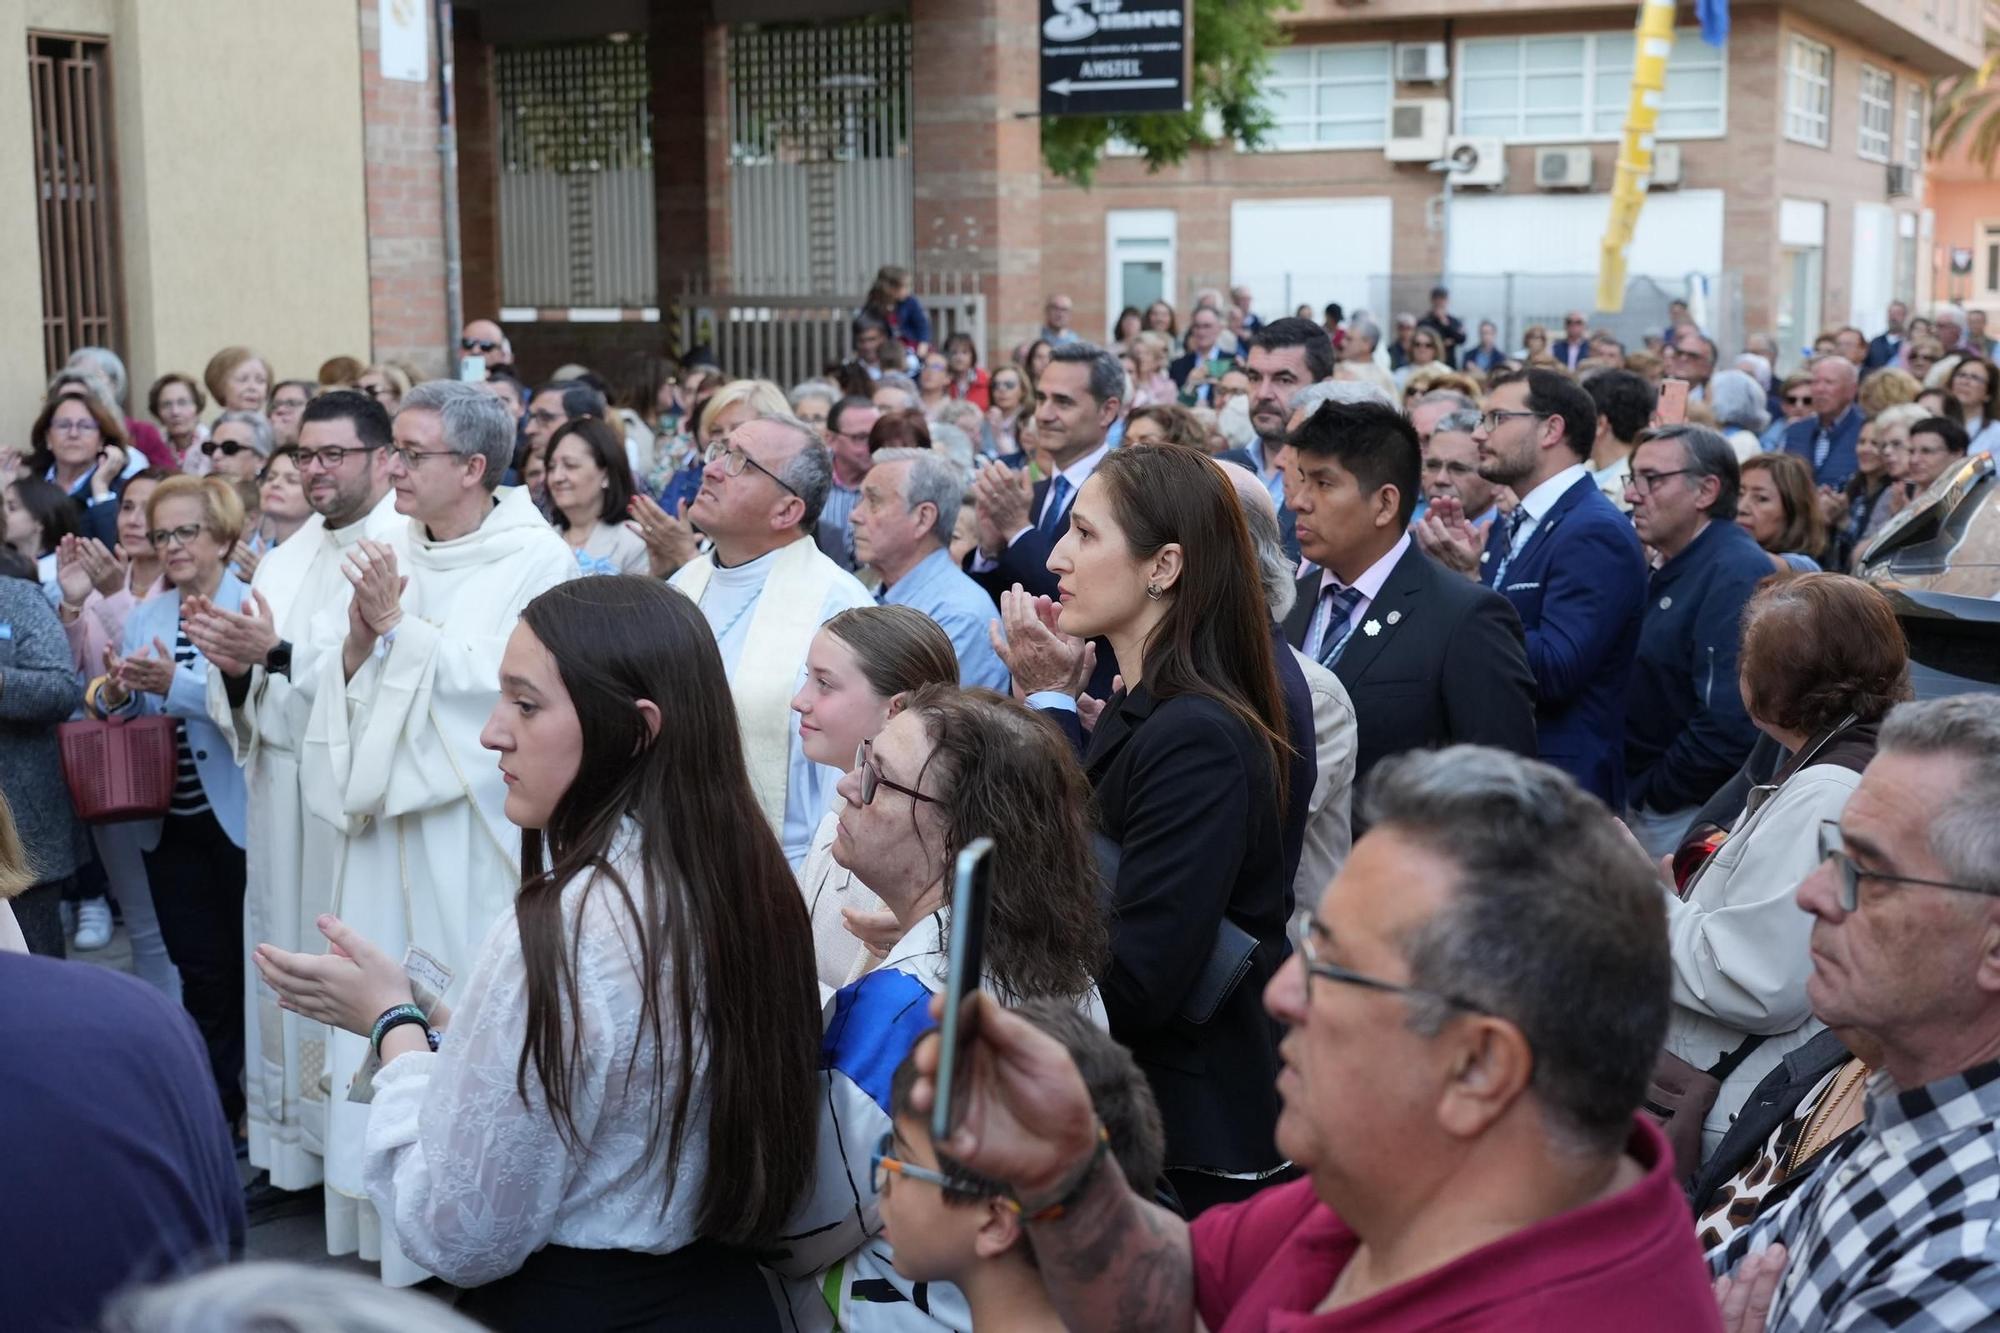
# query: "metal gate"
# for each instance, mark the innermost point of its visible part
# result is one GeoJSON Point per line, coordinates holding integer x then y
{"type": "Point", "coordinates": [576, 175]}
{"type": "Point", "coordinates": [821, 188]}
{"type": "Point", "coordinates": [69, 91]}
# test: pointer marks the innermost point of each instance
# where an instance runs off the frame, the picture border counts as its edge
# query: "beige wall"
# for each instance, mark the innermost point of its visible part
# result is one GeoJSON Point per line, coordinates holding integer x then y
{"type": "Point", "coordinates": [239, 158]}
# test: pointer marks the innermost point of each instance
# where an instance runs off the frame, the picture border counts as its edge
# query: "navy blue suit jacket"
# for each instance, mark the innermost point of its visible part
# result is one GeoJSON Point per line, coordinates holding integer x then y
{"type": "Point", "coordinates": [1840, 461]}
{"type": "Point", "coordinates": [1579, 586]}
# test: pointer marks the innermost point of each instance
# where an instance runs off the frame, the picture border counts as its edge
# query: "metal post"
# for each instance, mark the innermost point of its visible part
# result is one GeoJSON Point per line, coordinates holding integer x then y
{"type": "Point", "coordinates": [454, 290]}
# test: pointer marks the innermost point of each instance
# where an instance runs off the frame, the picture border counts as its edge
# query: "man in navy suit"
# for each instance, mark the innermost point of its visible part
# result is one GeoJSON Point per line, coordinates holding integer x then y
{"type": "Point", "coordinates": [1078, 399]}
{"type": "Point", "coordinates": [1570, 564]}
{"type": "Point", "coordinates": [1882, 348]}
{"type": "Point", "coordinates": [1828, 437]}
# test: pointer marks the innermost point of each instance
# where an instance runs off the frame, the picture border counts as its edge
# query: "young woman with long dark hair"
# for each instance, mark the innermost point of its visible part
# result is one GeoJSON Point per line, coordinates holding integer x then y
{"type": "Point", "coordinates": [624, 1102]}
{"type": "Point", "coordinates": [1189, 764]}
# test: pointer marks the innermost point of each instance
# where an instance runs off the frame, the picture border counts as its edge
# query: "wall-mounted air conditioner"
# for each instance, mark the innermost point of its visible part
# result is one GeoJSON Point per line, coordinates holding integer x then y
{"type": "Point", "coordinates": [1481, 159]}
{"type": "Point", "coordinates": [1421, 62]}
{"type": "Point", "coordinates": [1666, 167]}
{"type": "Point", "coordinates": [1417, 129]}
{"type": "Point", "coordinates": [1562, 168]}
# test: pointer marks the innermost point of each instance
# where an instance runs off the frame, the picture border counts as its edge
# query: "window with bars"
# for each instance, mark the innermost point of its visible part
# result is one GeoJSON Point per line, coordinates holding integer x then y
{"type": "Point", "coordinates": [1878, 113]}
{"type": "Point", "coordinates": [1334, 96]}
{"type": "Point", "coordinates": [1578, 85]}
{"type": "Point", "coordinates": [75, 194]}
{"type": "Point", "coordinates": [1809, 93]}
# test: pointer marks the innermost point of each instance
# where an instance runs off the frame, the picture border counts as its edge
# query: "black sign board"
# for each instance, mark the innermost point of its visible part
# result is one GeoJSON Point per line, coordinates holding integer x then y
{"type": "Point", "coordinates": [1115, 57]}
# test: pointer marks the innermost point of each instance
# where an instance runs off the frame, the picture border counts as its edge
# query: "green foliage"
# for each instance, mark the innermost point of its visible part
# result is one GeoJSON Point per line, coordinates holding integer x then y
{"type": "Point", "coordinates": [1970, 103]}
{"type": "Point", "coordinates": [1232, 41]}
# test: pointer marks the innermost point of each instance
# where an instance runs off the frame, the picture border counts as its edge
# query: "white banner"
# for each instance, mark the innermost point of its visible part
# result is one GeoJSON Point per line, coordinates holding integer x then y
{"type": "Point", "coordinates": [403, 39]}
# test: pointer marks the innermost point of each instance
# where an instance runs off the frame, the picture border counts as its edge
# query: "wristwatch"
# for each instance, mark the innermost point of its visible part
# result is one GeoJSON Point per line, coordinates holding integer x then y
{"type": "Point", "coordinates": [279, 660]}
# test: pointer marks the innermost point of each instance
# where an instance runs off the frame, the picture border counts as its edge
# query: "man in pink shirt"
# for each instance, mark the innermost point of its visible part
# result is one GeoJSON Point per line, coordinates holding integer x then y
{"type": "Point", "coordinates": [1473, 1011]}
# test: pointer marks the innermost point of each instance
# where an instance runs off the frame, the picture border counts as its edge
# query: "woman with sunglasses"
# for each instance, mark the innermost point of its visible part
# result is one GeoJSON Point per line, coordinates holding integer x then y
{"type": "Point", "coordinates": [620, 1108]}
{"type": "Point", "coordinates": [238, 444]}
{"type": "Point", "coordinates": [951, 766]}
{"type": "Point", "coordinates": [1425, 350]}
{"type": "Point", "coordinates": [861, 666]}
{"type": "Point", "coordinates": [194, 856]}
{"type": "Point", "coordinates": [1921, 354]}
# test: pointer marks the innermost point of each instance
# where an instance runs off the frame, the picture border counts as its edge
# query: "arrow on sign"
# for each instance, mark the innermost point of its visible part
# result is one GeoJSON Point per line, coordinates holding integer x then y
{"type": "Point", "coordinates": [1065, 87]}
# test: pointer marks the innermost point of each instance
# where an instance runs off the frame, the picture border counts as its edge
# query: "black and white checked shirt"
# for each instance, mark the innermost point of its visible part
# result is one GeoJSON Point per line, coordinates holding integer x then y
{"type": "Point", "coordinates": [1900, 1226]}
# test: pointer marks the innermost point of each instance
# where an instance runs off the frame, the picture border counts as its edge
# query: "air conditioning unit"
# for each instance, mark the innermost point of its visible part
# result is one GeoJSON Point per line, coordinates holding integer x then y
{"type": "Point", "coordinates": [1417, 129]}
{"type": "Point", "coordinates": [1481, 161]}
{"type": "Point", "coordinates": [1666, 167]}
{"type": "Point", "coordinates": [1902, 181]}
{"type": "Point", "coordinates": [1562, 168]}
{"type": "Point", "coordinates": [1421, 62]}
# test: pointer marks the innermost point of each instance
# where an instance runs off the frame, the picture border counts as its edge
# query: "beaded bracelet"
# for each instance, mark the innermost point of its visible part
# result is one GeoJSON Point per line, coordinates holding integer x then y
{"type": "Point", "coordinates": [1076, 1185]}
{"type": "Point", "coordinates": [395, 1017]}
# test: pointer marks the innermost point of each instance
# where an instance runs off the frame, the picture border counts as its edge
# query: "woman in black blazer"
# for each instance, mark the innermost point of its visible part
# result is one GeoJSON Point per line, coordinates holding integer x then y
{"type": "Point", "coordinates": [1189, 764]}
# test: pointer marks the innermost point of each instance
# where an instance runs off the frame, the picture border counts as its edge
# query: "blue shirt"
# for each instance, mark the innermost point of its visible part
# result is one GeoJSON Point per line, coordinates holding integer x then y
{"type": "Point", "coordinates": [940, 589]}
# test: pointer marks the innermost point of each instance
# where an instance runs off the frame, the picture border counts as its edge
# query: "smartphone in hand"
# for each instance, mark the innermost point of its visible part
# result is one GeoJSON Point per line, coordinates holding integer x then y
{"type": "Point", "coordinates": [970, 896]}
{"type": "Point", "coordinates": [1673, 409]}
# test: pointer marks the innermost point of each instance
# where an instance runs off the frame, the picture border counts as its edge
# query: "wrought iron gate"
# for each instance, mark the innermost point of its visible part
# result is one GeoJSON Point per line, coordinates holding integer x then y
{"type": "Point", "coordinates": [576, 175]}
{"type": "Point", "coordinates": [820, 183]}
{"type": "Point", "coordinates": [69, 91]}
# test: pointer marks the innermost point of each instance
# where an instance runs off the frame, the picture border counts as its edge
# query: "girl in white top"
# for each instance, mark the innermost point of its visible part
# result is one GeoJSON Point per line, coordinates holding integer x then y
{"type": "Point", "coordinates": [647, 1008]}
{"type": "Point", "coordinates": [860, 665]}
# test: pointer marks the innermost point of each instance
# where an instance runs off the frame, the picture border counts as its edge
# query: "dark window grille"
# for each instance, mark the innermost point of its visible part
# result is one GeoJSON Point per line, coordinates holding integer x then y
{"type": "Point", "coordinates": [76, 193]}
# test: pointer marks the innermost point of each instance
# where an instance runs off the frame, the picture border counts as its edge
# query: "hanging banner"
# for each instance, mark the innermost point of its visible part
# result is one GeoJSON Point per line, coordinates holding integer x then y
{"type": "Point", "coordinates": [402, 39]}
{"type": "Point", "coordinates": [1652, 44]}
{"type": "Point", "coordinates": [1115, 57]}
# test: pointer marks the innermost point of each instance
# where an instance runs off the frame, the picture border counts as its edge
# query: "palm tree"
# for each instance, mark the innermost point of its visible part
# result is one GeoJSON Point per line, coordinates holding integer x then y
{"type": "Point", "coordinates": [1970, 103]}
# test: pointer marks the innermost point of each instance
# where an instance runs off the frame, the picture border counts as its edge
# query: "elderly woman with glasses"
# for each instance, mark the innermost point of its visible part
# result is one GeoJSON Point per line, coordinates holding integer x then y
{"type": "Point", "coordinates": [195, 863]}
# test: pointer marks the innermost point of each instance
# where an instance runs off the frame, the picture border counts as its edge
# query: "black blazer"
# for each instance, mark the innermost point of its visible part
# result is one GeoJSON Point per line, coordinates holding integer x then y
{"type": "Point", "coordinates": [1026, 562]}
{"type": "Point", "coordinates": [1769, 1106]}
{"type": "Point", "coordinates": [1450, 668]}
{"type": "Point", "coordinates": [1188, 792]}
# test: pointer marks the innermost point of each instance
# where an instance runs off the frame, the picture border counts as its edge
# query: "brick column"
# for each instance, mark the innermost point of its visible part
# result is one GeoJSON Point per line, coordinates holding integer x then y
{"type": "Point", "coordinates": [690, 152]}
{"type": "Point", "coordinates": [978, 163]}
{"type": "Point", "coordinates": [405, 189]}
{"type": "Point", "coordinates": [477, 111]}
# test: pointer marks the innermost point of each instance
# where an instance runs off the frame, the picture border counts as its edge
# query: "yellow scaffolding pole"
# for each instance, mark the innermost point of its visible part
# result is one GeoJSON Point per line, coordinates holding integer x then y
{"type": "Point", "coordinates": [1652, 44]}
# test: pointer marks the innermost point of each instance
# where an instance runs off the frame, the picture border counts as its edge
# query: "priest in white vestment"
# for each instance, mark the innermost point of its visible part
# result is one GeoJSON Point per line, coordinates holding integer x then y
{"type": "Point", "coordinates": [765, 590]}
{"type": "Point", "coordinates": [392, 755]}
{"type": "Point", "coordinates": [266, 664]}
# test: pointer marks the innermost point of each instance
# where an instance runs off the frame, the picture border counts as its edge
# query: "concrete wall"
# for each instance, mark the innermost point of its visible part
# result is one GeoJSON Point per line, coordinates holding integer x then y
{"type": "Point", "coordinates": [239, 160]}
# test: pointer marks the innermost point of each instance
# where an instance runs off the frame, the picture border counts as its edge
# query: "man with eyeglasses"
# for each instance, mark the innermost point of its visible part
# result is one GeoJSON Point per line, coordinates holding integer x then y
{"type": "Point", "coordinates": [269, 662]}
{"type": "Point", "coordinates": [391, 756]}
{"type": "Point", "coordinates": [1827, 439]}
{"type": "Point", "coordinates": [553, 406]}
{"type": "Point", "coordinates": [1686, 730]}
{"type": "Point", "coordinates": [1471, 1017]}
{"type": "Point", "coordinates": [848, 423]}
{"type": "Point", "coordinates": [1937, 444]}
{"type": "Point", "coordinates": [765, 589]}
{"type": "Point", "coordinates": [1451, 462]}
{"type": "Point", "coordinates": [1895, 1229]}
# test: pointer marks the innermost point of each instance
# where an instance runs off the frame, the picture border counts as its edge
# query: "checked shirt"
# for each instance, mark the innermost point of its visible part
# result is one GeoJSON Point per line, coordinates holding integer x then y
{"type": "Point", "coordinates": [1900, 1226]}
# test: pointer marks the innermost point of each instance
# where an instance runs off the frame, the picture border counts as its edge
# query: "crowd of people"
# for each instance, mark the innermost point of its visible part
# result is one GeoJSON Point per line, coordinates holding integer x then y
{"type": "Point", "coordinates": [1464, 846]}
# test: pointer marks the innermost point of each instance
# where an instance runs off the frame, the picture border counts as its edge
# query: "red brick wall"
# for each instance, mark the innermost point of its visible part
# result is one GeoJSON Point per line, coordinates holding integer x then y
{"type": "Point", "coordinates": [405, 190]}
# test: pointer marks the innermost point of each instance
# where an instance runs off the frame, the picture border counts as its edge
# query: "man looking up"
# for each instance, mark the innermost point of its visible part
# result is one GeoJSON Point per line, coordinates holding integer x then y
{"type": "Point", "coordinates": [847, 425]}
{"type": "Point", "coordinates": [1567, 560]}
{"type": "Point", "coordinates": [391, 756]}
{"type": "Point", "coordinates": [1466, 1122]}
{"type": "Point", "coordinates": [1827, 439]}
{"type": "Point", "coordinates": [902, 529]}
{"type": "Point", "coordinates": [1428, 657]}
{"type": "Point", "coordinates": [765, 590]}
{"type": "Point", "coordinates": [1686, 731]}
{"type": "Point", "coordinates": [1906, 964]}
{"type": "Point", "coordinates": [269, 664]}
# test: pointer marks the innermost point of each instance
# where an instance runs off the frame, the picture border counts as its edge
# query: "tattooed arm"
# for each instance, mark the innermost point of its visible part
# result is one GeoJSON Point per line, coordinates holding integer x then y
{"type": "Point", "coordinates": [1111, 1261]}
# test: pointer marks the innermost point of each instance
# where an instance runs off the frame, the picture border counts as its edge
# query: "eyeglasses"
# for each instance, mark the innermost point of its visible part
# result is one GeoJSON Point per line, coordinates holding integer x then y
{"type": "Point", "coordinates": [330, 457]}
{"type": "Point", "coordinates": [83, 426]}
{"type": "Point", "coordinates": [872, 779]}
{"type": "Point", "coordinates": [227, 448]}
{"type": "Point", "coordinates": [478, 345]}
{"type": "Point", "coordinates": [1971, 374]}
{"type": "Point", "coordinates": [1006, 384]}
{"type": "Point", "coordinates": [1302, 927]}
{"type": "Point", "coordinates": [1645, 482]}
{"type": "Point", "coordinates": [1832, 850]}
{"type": "Point", "coordinates": [411, 457]}
{"type": "Point", "coordinates": [1439, 466]}
{"type": "Point", "coordinates": [881, 1166]}
{"type": "Point", "coordinates": [161, 538]}
{"type": "Point", "coordinates": [1491, 420]}
{"type": "Point", "coordinates": [1798, 400]}
{"type": "Point", "coordinates": [734, 460]}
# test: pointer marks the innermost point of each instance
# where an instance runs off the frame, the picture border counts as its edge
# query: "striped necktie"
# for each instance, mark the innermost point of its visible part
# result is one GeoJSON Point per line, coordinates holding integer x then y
{"type": "Point", "coordinates": [1339, 602]}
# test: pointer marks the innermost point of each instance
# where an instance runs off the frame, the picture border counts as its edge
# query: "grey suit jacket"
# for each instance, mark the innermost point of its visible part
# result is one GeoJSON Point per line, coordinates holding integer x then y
{"type": "Point", "coordinates": [38, 689]}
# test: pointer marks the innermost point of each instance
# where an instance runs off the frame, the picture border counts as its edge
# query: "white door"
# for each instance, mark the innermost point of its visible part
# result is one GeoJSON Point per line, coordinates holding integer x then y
{"type": "Point", "coordinates": [1139, 260]}
{"type": "Point", "coordinates": [1871, 282]}
{"type": "Point", "coordinates": [1291, 252]}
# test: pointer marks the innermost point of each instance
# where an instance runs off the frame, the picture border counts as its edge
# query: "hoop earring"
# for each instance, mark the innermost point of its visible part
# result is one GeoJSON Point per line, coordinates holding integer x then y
{"type": "Point", "coordinates": [1153, 592]}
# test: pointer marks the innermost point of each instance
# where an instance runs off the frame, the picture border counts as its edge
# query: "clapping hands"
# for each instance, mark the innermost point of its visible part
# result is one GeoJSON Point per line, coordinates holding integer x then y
{"type": "Point", "coordinates": [1036, 653]}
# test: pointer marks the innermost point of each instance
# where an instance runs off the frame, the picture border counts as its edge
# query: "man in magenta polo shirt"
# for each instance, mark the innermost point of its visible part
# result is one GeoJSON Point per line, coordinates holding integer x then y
{"type": "Point", "coordinates": [1473, 1013]}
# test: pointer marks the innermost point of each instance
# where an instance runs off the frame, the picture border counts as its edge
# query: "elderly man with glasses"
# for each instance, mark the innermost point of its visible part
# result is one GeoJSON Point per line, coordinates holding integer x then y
{"type": "Point", "coordinates": [1896, 1227]}
{"type": "Point", "coordinates": [1471, 1014]}
{"type": "Point", "coordinates": [766, 588]}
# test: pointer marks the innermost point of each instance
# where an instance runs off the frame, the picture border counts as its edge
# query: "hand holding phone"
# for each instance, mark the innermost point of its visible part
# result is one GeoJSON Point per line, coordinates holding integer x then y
{"type": "Point", "coordinates": [1673, 409]}
{"type": "Point", "coordinates": [970, 897]}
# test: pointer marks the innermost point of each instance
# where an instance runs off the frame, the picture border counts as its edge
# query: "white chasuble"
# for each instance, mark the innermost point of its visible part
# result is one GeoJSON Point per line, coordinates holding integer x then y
{"type": "Point", "coordinates": [393, 759]}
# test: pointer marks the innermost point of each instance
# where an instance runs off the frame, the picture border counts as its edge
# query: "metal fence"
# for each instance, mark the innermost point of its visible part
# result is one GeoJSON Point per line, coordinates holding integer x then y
{"type": "Point", "coordinates": [821, 188]}
{"type": "Point", "coordinates": [76, 217]}
{"type": "Point", "coordinates": [576, 175]}
{"type": "Point", "coordinates": [790, 338]}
